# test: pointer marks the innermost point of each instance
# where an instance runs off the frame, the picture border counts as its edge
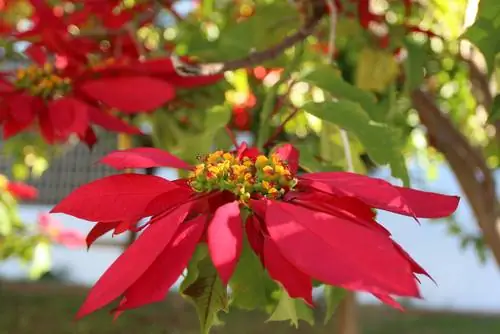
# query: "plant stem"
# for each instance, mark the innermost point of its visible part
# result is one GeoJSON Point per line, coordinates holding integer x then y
{"type": "Point", "coordinates": [269, 101]}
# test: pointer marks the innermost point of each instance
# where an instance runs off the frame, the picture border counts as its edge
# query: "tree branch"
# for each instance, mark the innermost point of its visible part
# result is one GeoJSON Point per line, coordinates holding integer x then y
{"type": "Point", "coordinates": [468, 165]}
{"type": "Point", "coordinates": [254, 58]}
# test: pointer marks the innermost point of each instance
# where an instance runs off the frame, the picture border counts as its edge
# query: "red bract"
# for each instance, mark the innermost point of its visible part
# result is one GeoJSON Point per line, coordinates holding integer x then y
{"type": "Point", "coordinates": [313, 226]}
{"type": "Point", "coordinates": [131, 85]}
{"type": "Point", "coordinates": [20, 190]}
{"type": "Point", "coordinates": [109, 13]}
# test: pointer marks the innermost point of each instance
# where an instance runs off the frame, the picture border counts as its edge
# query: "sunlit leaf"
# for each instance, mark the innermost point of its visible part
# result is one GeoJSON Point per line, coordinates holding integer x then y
{"type": "Point", "coordinates": [333, 296]}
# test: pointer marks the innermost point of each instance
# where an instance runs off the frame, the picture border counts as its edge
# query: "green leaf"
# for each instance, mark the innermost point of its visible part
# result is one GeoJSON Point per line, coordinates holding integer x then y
{"type": "Point", "coordinates": [485, 30]}
{"type": "Point", "coordinates": [217, 117]}
{"type": "Point", "coordinates": [329, 79]}
{"type": "Point", "coordinates": [41, 262]}
{"type": "Point", "coordinates": [495, 110]}
{"type": "Point", "coordinates": [250, 285]}
{"type": "Point", "coordinates": [381, 142]}
{"type": "Point", "coordinates": [293, 310]}
{"type": "Point", "coordinates": [333, 296]}
{"type": "Point", "coordinates": [200, 253]}
{"type": "Point", "coordinates": [5, 221]}
{"type": "Point", "coordinates": [208, 295]}
{"type": "Point", "coordinates": [207, 7]}
{"type": "Point", "coordinates": [414, 65]}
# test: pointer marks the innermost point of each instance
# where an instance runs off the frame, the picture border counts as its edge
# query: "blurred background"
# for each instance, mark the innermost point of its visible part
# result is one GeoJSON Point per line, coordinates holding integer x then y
{"type": "Point", "coordinates": [447, 116]}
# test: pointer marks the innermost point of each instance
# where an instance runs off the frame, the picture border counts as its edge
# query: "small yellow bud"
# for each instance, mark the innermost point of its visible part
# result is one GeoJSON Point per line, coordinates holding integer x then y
{"type": "Point", "coordinates": [279, 169]}
{"type": "Point", "coordinates": [268, 170]}
{"type": "Point", "coordinates": [261, 161]}
{"type": "Point", "coordinates": [273, 191]}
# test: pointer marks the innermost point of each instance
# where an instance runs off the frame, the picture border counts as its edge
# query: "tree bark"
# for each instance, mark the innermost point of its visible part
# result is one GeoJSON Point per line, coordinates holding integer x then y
{"type": "Point", "coordinates": [346, 315]}
{"type": "Point", "coordinates": [468, 165]}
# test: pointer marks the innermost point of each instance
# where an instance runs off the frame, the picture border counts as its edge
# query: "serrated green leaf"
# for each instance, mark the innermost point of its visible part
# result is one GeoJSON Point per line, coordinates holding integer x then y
{"type": "Point", "coordinates": [333, 296]}
{"type": "Point", "coordinates": [250, 285]}
{"type": "Point", "coordinates": [193, 272]}
{"type": "Point", "coordinates": [293, 310]}
{"type": "Point", "coordinates": [208, 295]}
{"type": "Point", "coordinates": [381, 142]}
{"type": "Point", "coordinates": [328, 79]}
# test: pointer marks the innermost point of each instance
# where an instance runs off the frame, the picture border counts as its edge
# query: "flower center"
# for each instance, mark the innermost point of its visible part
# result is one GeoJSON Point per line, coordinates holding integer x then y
{"type": "Point", "coordinates": [42, 81]}
{"type": "Point", "coordinates": [246, 178]}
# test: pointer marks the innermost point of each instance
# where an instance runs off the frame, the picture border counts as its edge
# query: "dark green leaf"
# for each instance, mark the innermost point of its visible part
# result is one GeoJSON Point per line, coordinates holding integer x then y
{"type": "Point", "coordinates": [250, 285]}
{"type": "Point", "coordinates": [208, 295]}
{"type": "Point", "coordinates": [414, 65]}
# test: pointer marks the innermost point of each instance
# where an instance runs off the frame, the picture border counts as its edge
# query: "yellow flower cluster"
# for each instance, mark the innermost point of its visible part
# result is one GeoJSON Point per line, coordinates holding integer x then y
{"type": "Point", "coordinates": [42, 81]}
{"type": "Point", "coordinates": [246, 178]}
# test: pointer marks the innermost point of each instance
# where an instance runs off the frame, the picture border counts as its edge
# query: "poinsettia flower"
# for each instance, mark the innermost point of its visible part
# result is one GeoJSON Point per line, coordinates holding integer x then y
{"type": "Point", "coordinates": [52, 98]}
{"type": "Point", "coordinates": [312, 226]}
{"type": "Point", "coordinates": [58, 234]}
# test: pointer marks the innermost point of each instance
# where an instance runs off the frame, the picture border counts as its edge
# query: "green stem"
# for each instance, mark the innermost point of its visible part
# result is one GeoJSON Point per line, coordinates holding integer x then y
{"type": "Point", "coordinates": [270, 99]}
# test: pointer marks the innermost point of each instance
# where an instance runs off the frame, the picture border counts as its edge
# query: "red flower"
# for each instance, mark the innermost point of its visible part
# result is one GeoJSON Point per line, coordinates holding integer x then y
{"type": "Point", "coordinates": [62, 99]}
{"type": "Point", "coordinates": [20, 190]}
{"type": "Point", "coordinates": [312, 226]}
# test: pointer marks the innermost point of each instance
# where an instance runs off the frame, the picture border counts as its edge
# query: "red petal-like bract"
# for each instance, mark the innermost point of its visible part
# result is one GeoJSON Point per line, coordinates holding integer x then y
{"type": "Point", "coordinates": [143, 157]}
{"type": "Point", "coordinates": [339, 252]}
{"type": "Point", "coordinates": [428, 204]}
{"type": "Point", "coordinates": [68, 115]}
{"type": "Point", "coordinates": [22, 190]}
{"type": "Point", "coordinates": [130, 94]}
{"type": "Point", "coordinates": [225, 235]}
{"type": "Point", "coordinates": [154, 284]}
{"type": "Point", "coordinates": [296, 283]}
{"type": "Point", "coordinates": [290, 154]}
{"type": "Point", "coordinates": [134, 262]}
{"type": "Point", "coordinates": [22, 108]}
{"type": "Point", "coordinates": [36, 54]}
{"type": "Point", "coordinates": [110, 122]}
{"type": "Point", "coordinates": [115, 198]}
{"type": "Point", "coordinates": [99, 230]}
{"type": "Point", "coordinates": [382, 195]}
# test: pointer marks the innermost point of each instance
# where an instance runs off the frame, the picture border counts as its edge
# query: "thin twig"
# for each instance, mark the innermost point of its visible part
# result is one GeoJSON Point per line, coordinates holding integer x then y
{"type": "Point", "coordinates": [254, 58]}
{"type": "Point", "coordinates": [231, 136]}
{"type": "Point", "coordinates": [280, 128]}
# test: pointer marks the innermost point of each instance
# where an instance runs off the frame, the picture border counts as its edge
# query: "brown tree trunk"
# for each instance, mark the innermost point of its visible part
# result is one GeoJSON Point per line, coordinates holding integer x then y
{"type": "Point", "coordinates": [346, 315]}
{"type": "Point", "coordinates": [468, 165]}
